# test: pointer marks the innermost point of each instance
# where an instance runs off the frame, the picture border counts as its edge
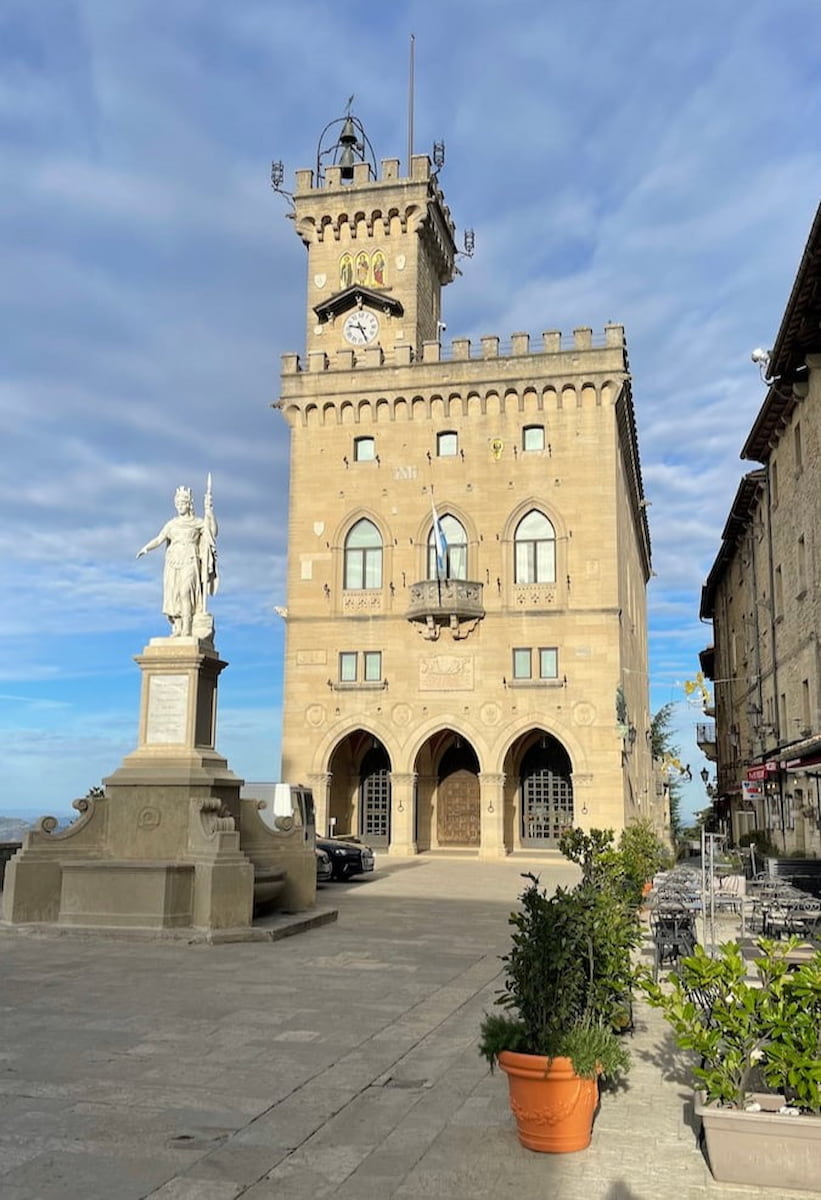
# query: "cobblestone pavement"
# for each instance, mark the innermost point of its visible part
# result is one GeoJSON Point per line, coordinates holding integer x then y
{"type": "Point", "coordinates": [339, 1063]}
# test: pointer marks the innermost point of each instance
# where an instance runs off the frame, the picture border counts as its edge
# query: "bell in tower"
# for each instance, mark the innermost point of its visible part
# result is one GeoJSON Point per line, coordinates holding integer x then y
{"type": "Point", "coordinates": [380, 249]}
{"type": "Point", "coordinates": [350, 147]}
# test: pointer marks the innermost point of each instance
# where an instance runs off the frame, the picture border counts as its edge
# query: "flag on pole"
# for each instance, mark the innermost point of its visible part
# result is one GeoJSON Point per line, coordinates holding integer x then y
{"type": "Point", "coordinates": [439, 542]}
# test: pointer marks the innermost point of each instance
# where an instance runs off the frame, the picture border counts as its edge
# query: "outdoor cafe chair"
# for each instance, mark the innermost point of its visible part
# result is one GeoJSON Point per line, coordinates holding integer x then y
{"type": "Point", "coordinates": [673, 932]}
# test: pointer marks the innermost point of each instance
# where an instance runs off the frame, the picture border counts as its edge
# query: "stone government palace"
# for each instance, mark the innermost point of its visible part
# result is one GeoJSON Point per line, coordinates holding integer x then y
{"type": "Point", "coordinates": [468, 548]}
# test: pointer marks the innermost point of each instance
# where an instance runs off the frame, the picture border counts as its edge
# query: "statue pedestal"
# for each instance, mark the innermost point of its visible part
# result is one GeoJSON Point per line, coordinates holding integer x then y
{"type": "Point", "coordinates": [160, 849]}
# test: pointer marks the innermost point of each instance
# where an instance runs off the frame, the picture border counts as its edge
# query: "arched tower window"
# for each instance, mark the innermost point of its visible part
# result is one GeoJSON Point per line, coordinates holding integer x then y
{"type": "Point", "coordinates": [456, 549]}
{"type": "Point", "coordinates": [363, 556]}
{"type": "Point", "coordinates": [535, 549]}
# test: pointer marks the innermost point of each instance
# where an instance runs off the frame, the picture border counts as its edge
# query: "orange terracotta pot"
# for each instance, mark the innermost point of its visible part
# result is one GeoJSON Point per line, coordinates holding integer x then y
{"type": "Point", "coordinates": [553, 1106]}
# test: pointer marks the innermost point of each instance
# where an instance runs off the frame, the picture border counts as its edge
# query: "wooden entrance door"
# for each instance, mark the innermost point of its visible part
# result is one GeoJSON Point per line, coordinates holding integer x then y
{"type": "Point", "coordinates": [457, 810]}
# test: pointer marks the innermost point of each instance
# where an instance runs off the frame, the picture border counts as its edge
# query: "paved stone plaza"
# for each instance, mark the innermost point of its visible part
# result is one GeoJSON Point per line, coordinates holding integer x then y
{"type": "Point", "coordinates": [337, 1063]}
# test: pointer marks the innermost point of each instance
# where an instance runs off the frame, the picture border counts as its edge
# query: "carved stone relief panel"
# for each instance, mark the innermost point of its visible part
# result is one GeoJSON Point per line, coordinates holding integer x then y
{"type": "Point", "coordinates": [446, 673]}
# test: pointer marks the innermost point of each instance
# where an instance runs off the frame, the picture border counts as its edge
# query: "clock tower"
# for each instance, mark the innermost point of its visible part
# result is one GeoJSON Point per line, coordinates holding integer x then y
{"type": "Point", "coordinates": [380, 250]}
{"type": "Point", "coordinates": [468, 551]}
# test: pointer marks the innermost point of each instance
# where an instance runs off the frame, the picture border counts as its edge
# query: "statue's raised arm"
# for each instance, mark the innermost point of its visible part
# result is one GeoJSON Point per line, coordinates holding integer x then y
{"type": "Point", "coordinates": [190, 573]}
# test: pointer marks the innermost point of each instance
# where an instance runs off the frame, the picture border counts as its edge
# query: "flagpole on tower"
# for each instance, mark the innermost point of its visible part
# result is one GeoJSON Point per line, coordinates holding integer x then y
{"type": "Point", "coordinates": [410, 104]}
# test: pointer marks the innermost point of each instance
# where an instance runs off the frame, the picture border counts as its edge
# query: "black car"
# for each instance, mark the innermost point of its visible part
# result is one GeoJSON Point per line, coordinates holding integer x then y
{"type": "Point", "coordinates": [324, 866]}
{"type": "Point", "coordinates": [347, 857]}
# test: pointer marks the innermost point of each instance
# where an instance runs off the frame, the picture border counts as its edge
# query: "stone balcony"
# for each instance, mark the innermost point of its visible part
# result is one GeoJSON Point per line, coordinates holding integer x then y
{"type": "Point", "coordinates": [706, 740]}
{"type": "Point", "coordinates": [456, 604]}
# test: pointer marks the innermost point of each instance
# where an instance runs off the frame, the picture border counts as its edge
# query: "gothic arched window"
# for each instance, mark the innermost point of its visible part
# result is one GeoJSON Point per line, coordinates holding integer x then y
{"type": "Point", "coordinates": [456, 550]}
{"type": "Point", "coordinates": [363, 556]}
{"type": "Point", "coordinates": [535, 549]}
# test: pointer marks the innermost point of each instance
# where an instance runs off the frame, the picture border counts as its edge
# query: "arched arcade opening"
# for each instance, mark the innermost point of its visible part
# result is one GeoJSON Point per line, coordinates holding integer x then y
{"type": "Point", "coordinates": [539, 799]}
{"type": "Point", "coordinates": [448, 801]}
{"type": "Point", "coordinates": [359, 800]}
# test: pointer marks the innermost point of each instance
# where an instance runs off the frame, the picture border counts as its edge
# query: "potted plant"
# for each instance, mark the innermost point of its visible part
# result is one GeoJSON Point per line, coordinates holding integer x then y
{"type": "Point", "coordinates": [567, 969]}
{"type": "Point", "coordinates": [627, 869]}
{"type": "Point", "coordinates": [643, 855]}
{"type": "Point", "coordinates": [758, 1041]}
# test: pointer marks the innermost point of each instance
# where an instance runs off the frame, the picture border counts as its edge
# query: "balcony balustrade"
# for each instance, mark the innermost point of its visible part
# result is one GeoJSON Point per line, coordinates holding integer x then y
{"type": "Point", "coordinates": [706, 740]}
{"type": "Point", "coordinates": [435, 603]}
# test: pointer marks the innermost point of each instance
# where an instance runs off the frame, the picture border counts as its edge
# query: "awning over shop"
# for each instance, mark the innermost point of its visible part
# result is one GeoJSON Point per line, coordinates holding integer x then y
{"type": "Point", "coordinates": [801, 764]}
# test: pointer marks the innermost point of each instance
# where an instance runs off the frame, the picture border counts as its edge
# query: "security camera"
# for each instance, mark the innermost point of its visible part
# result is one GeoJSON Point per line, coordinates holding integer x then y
{"type": "Point", "coordinates": [760, 356]}
{"type": "Point", "coordinates": [441, 326]}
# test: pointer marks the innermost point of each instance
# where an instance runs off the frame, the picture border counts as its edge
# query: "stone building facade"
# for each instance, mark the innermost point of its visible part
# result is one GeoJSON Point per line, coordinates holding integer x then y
{"type": "Point", "coordinates": [468, 549]}
{"type": "Point", "coordinates": [762, 596]}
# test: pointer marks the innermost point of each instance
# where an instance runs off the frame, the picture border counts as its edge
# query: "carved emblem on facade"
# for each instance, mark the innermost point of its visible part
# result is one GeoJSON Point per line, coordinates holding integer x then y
{"type": "Point", "coordinates": [584, 713]}
{"type": "Point", "coordinates": [446, 673]}
{"type": "Point", "coordinates": [311, 658]}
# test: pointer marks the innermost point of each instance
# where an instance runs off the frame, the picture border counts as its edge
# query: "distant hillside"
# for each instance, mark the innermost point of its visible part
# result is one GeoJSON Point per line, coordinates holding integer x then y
{"type": "Point", "coordinates": [12, 829]}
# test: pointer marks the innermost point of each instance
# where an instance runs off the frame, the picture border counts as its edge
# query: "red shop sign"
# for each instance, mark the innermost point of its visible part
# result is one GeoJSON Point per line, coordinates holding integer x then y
{"type": "Point", "coordinates": [761, 772]}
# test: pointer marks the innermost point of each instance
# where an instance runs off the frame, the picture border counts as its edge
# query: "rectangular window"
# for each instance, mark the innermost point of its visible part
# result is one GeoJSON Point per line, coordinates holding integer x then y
{"type": "Point", "coordinates": [371, 666]}
{"type": "Point", "coordinates": [789, 811]}
{"type": "Point", "coordinates": [447, 444]}
{"type": "Point", "coordinates": [548, 663]}
{"type": "Point", "coordinates": [802, 565]}
{"type": "Point", "coordinates": [774, 484]}
{"type": "Point", "coordinates": [533, 437]}
{"type": "Point", "coordinates": [779, 593]}
{"type": "Point", "coordinates": [372, 663]}
{"type": "Point", "coordinates": [806, 716]}
{"type": "Point", "coordinates": [347, 666]}
{"type": "Point", "coordinates": [522, 663]}
{"type": "Point", "coordinates": [364, 449]}
{"type": "Point", "coordinates": [799, 453]}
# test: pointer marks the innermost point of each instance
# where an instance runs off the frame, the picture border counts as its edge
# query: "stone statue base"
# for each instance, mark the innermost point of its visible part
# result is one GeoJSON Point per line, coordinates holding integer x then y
{"type": "Point", "coordinates": [161, 849]}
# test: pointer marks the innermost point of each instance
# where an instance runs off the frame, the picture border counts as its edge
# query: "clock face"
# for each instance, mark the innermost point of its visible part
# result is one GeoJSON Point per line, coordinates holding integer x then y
{"type": "Point", "coordinates": [361, 327]}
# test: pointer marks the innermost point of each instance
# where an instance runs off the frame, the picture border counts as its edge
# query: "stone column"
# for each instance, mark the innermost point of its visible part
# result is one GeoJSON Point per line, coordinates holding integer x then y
{"type": "Point", "coordinates": [403, 801]}
{"type": "Point", "coordinates": [492, 812]}
{"type": "Point", "coordinates": [426, 838]}
{"type": "Point", "coordinates": [320, 785]}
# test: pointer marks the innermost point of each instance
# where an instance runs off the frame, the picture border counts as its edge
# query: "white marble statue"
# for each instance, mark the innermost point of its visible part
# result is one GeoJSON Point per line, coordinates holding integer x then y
{"type": "Point", "coordinates": [190, 573]}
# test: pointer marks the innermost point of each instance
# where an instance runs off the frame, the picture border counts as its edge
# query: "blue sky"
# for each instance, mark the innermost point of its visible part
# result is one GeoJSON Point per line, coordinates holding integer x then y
{"type": "Point", "coordinates": [651, 164]}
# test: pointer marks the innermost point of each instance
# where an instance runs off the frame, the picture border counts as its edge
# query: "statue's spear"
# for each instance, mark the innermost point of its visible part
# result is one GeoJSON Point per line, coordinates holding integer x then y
{"type": "Point", "coordinates": [207, 563]}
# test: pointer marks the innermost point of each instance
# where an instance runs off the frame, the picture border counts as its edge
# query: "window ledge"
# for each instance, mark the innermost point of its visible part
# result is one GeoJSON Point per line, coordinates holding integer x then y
{"type": "Point", "coordinates": [535, 683]}
{"type": "Point", "coordinates": [377, 686]}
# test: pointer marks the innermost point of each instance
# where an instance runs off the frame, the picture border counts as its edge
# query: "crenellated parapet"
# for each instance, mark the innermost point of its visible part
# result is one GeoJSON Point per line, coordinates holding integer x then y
{"type": "Point", "coordinates": [489, 376]}
{"type": "Point", "coordinates": [462, 349]}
